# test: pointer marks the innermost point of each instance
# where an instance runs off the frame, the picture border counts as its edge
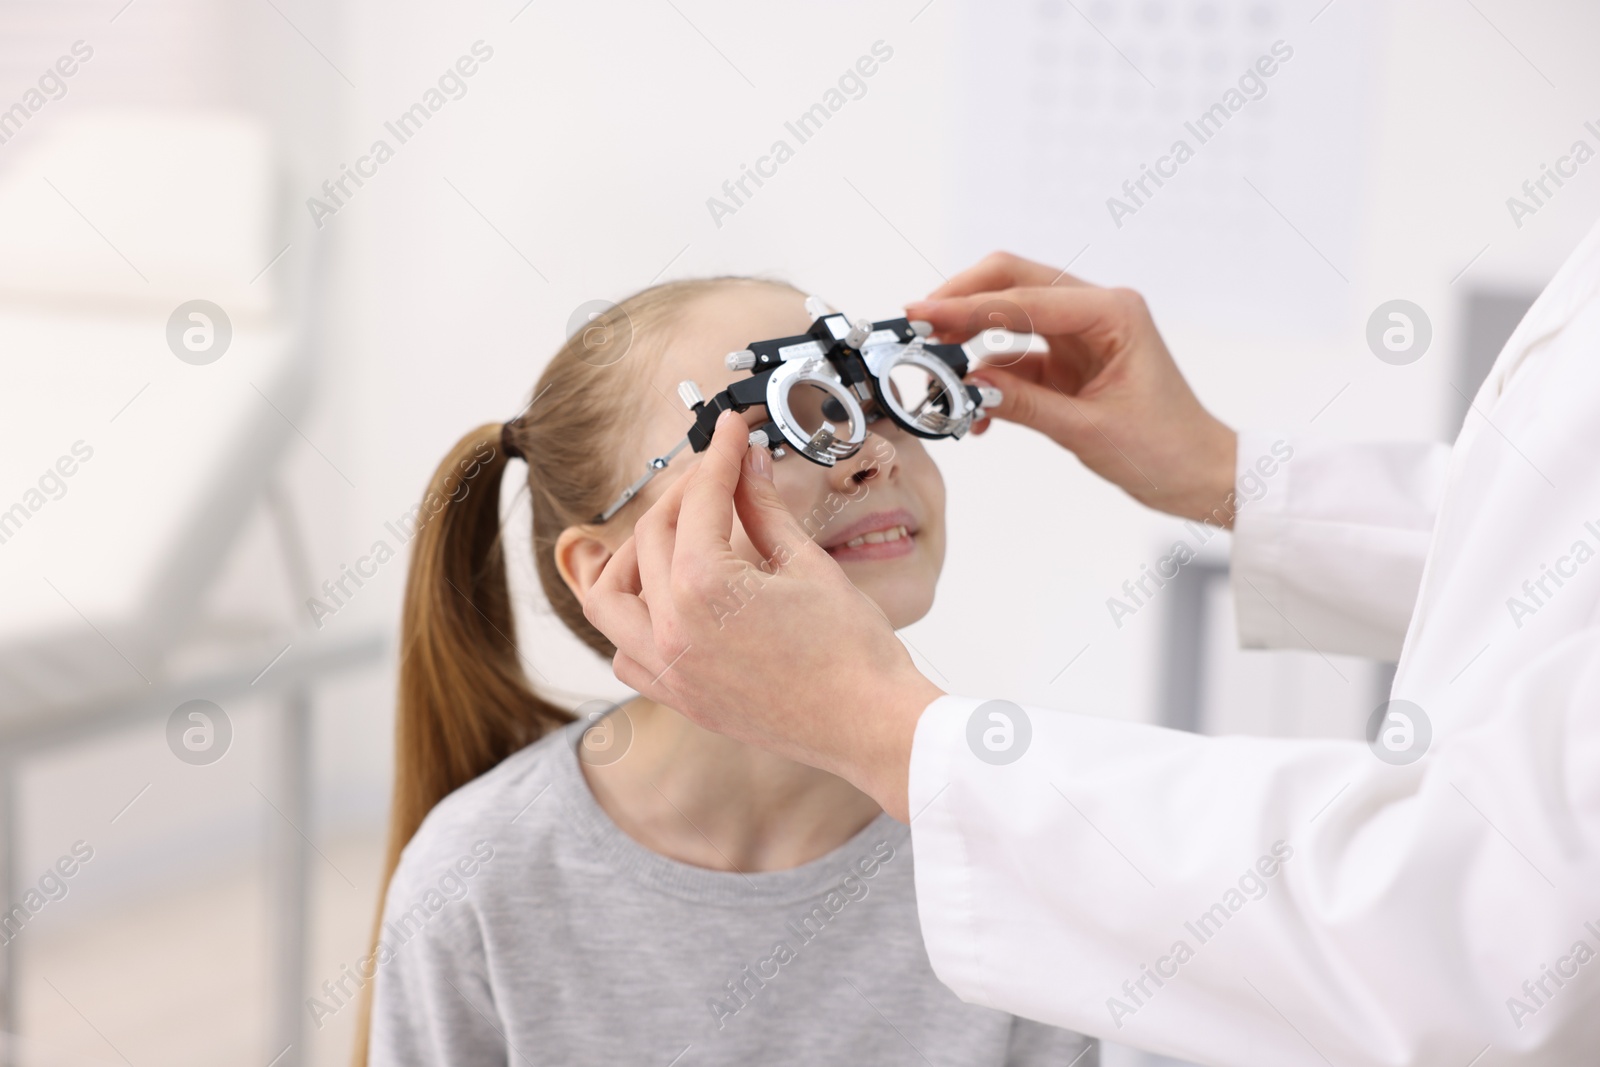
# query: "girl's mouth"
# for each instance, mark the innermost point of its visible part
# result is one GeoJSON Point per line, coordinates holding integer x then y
{"type": "Point", "coordinates": [879, 536]}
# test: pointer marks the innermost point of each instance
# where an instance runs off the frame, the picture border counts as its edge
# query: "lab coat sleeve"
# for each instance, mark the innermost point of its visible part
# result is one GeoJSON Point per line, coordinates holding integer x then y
{"type": "Point", "coordinates": [1249, 901]}
{"type": "Point", "coordinates": [1328, 544]}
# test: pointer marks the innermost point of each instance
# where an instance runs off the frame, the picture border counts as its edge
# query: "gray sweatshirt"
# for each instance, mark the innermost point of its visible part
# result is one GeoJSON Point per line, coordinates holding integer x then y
{"type": "Point", "coordinates": [524, 927]}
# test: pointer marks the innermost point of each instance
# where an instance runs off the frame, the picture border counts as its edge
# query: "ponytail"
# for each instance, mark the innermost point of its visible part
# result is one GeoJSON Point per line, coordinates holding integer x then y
{"type": "Point", "coordinates": [464, 702]}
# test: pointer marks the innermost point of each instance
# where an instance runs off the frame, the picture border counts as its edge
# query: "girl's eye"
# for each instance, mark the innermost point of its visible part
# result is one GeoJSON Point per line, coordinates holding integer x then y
{"type": "Point", "coordinates": [916, 390]}
{"type": "Point", "coordinates": [812, 407]}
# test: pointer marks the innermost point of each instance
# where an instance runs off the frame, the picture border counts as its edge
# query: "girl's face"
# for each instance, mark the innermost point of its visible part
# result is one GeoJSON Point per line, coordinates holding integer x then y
{"type": "Point", "coordinates": [880, 513]}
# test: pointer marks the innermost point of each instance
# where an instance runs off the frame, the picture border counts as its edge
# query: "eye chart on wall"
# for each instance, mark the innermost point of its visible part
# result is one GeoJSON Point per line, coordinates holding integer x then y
{"type": "Point", "coordinates": [1208, 152]}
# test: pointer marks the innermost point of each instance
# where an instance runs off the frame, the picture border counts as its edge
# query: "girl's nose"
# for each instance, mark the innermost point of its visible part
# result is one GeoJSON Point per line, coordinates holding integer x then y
{"type": "Point", "coordinates": [875, 460]}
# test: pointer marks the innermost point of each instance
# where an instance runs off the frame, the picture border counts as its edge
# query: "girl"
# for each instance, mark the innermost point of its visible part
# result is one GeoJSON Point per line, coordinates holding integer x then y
{"type": "Point", "coordinates": [633, 889]}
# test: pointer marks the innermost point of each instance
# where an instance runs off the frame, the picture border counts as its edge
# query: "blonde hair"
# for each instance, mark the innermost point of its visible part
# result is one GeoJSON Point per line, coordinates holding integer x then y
{"type": "Point", "coordinates": [464, 702]}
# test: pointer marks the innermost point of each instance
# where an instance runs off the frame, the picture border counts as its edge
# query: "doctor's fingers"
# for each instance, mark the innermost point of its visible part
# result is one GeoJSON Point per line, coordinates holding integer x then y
{"type": "Point", "coordinates": [654, 536]}
{"type": "Point", "coordinates": [769, 524]}
{"type": "Point", "coordinates": [1027, 367]}
{"type": "Point", "coordinates": [1002, 270]}
{"type": "Point", "coordinates": [1099, 316]}
{"type": "Point", "coordinates": [615, 607]}
{"type": "Point", "coordinates": [1038, 401]}
{"type": "Point", "coordinates": [1068, 366]}
{"type": "Point", "coordinates": [705, 521]}
{"type": "Point", "coordinates": [641, 679]}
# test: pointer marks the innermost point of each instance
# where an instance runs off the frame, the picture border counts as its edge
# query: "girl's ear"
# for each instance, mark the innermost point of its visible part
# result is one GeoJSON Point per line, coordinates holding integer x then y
{"type": "Point", "coordinates": [580, 557]}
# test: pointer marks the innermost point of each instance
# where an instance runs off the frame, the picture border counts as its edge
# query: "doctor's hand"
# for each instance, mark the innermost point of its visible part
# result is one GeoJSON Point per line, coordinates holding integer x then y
{"type": "Point", "coordinates": [1108, 388]}
{"type": "Point", "coordinates": [702, 630]}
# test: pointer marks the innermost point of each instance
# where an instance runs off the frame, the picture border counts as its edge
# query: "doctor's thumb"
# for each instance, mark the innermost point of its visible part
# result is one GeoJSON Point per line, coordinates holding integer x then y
{"type": "Point", "coordinates": [1032, 405]}
{"type": "Point", "coordinates": [766, 520]}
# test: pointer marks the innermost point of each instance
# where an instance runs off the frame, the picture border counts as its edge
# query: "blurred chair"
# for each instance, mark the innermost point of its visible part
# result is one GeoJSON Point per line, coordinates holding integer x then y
{"type": "Point", "coordinates": [111, 223]}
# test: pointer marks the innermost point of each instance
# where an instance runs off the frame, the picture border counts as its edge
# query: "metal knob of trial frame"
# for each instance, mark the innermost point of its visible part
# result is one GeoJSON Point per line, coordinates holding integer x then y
{"type": "Point", "coordinates": [743, 359]}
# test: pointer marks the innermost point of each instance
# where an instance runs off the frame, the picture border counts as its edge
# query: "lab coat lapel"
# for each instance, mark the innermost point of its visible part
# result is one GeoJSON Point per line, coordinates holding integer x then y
{"type": "Point", "coordinates": [1502, 519]}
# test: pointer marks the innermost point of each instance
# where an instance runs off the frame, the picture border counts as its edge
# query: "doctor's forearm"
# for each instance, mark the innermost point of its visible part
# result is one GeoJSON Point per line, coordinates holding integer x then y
{"type": "Point", "coordinates": [878, 759]}
{"type": "Point", "coordinates": [1198, 478]}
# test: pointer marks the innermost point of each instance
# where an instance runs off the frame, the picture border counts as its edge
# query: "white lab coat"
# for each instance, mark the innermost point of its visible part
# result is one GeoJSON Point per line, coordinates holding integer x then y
{"type": "Point", "coordinates": [1394, 913]}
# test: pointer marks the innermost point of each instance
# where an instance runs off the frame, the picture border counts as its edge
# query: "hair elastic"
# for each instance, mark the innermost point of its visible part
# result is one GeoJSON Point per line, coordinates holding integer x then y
{"type": "Point", "coordinates": [508, 441]}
